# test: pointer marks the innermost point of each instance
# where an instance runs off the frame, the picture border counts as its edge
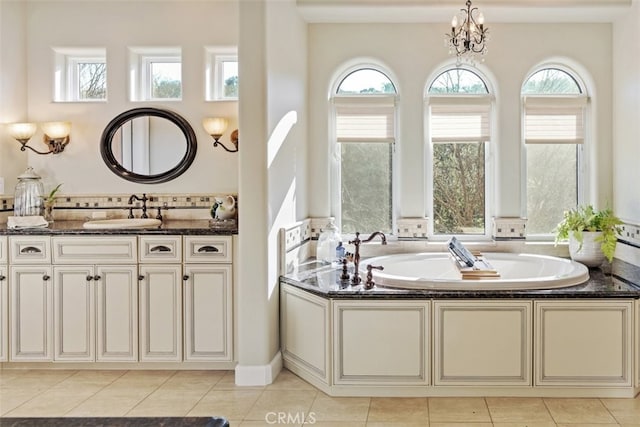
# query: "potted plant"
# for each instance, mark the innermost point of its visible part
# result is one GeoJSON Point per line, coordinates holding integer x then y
{"type": "Point", "coordinates": [49, 202]}
{"type": "Point", "coordinates": [592, 234]}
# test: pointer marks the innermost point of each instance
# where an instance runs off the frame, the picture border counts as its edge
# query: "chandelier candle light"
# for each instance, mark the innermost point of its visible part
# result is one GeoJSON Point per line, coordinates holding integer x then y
{"type": "Point", "coordinates": [468, 35]}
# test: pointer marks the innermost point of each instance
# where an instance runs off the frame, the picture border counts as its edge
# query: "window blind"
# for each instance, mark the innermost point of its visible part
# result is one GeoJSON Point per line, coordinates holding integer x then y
{"type": "Point", "coordinates": [367, 118]}
{"type": "Point", "coordinates": [554, 120]}
{"type": "Point", "coordinates": [460, 119]}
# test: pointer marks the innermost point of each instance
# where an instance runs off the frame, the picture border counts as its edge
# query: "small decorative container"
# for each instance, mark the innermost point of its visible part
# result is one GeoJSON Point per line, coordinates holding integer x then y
{"type": "Point", "coordinates": [28, 194]}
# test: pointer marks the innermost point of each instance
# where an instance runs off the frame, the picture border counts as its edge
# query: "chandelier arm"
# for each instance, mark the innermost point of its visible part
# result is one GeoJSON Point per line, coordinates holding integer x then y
{"type": "Point", "coordinates": [216, 143]}
{"type": "Point", "coordinates": [24, 146]}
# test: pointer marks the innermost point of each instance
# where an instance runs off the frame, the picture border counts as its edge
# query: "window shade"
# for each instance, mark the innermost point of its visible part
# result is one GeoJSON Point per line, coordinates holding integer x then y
{"type": "Point", "coordinates": [554, 120]}
{"type": "Point", "coordinates": [366, 118]}
{"type": "Point", "coordinates": [460, 119]}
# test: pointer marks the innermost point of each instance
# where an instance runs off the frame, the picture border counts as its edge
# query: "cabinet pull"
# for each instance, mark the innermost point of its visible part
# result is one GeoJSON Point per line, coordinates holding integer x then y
{"type": "Point", "coordinates": [89, 278]}
{"type": "Point", "coordinates": [208, 249]}
{"type": "Point", "coordinates": [141, 277]}
{"type": "Point", "coordinates": [97, 277]}
{"type": "Point", "coordinates": [2, 277]}
{"type": "Point", "coordinates": [30, 250]}
{"type": "Point", "coordinates": [185, 277]}
{"type": "Point", "coordinates": [160, 248]}
{"type": "Point", "coordinates": [46, 277]}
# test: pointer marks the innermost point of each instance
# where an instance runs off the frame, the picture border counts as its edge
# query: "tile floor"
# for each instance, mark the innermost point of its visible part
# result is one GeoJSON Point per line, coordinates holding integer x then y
{"type": "Point", "coordinates": [54, 393]}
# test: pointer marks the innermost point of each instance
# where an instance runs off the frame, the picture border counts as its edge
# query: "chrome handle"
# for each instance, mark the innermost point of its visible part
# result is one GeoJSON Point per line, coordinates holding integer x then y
{"type": "Point", "coordinates": [160, 248]}
{"type": "Point", "coordinates": [208, 249]}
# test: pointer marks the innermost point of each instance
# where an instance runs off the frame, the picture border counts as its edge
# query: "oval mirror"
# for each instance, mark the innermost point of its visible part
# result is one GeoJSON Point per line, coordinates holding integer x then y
{"type": "Point", "coordinates": [148, 145]}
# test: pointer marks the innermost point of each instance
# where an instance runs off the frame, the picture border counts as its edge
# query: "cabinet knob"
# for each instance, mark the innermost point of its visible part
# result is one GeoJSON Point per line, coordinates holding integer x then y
{"type": "Point", "coordinates": [46, 277]}
{"type": "Point", "coordinates": [141, 277]}
{"type": "Point", "coordinates": [97, 277]}
{"type": "Point", "coordinates": [89, 278]}
{"type": "Point", "coordinates": [2, 277]}
{"type": "Point", "coordinates": [185, 277]}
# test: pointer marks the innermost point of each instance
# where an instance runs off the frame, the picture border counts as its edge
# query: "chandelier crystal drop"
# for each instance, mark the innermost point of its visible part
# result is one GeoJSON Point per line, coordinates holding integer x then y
{"type": "Point", "coordinates": [468, 36]}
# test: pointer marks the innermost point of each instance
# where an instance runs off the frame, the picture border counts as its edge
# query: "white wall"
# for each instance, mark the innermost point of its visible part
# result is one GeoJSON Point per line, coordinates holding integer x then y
{"type": "Point", "coordinates": [191, 25]}
{"type": "Point", "coordinates": [13, 88]}
{"type": "Point", "coordinates": [626, 130]}
{"type": "Point", "coordinates": [413, 52]}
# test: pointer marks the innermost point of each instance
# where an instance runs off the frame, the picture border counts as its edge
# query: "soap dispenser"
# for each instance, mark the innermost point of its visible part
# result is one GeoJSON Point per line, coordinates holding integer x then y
{"type": "Point", "coordinates": [328, 242]}
{"type": "Point", "coordinates": [28, 197]}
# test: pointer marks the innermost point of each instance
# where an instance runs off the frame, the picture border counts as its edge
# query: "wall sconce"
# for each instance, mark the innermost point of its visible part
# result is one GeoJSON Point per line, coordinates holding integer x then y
{"type": "Point", "coordinates": [56, 135]}
{"type": "Point", "coordinates": [215, 126]}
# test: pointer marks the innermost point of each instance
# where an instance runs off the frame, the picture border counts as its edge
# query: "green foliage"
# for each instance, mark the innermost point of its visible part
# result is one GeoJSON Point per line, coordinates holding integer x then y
{"type": "Point", "coordinates": [51, 197]}
{"type": "Point", "coordinates": [163, 88]}
{"type": "Point", "coordinates": [586, 218]}
{"type": "Point", "coordinates": [231, 87]}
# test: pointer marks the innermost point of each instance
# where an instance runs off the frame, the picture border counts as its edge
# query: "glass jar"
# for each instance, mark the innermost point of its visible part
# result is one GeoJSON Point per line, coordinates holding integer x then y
{"type": "Point", "coordinates": [28, 196]}
{"type": "Point", "coordinates": [329, 242]}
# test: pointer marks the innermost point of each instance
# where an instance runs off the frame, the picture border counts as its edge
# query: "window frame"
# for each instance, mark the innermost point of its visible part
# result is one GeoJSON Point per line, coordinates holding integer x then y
{"type": "Point", "coordinates": [141, 80]}
{"type": "Point", "coordinates": [489, 150]}
{"type": "Point", "coordinates": [215, 57]}
{"type": "Point", "coordinates": [335, 146]}
{"type": "Point", "coordinates": [66, 87]}
{"type": "Point", "coordinates": [581, 149]}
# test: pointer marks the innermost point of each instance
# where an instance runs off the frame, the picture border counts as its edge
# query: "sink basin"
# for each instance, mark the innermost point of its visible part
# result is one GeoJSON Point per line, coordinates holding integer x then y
{"type": "Point", "coordinates": [123, 223]}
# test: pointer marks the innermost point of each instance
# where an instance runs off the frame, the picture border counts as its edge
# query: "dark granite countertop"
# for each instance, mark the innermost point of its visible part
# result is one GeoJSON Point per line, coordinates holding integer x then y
{"type": "Point", "coordinates": [617, 280]}
{"type": "Point", "coordinates": [186, 227]}
{"type": "Point", "coordinates": [116, 422]}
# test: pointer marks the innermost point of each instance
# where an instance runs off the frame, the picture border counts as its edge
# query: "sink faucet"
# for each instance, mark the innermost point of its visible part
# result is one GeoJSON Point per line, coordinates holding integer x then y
{"type": "Point", "coordinates": [143, 199]}
{"type": "Point", "coordinates": [355, 280]}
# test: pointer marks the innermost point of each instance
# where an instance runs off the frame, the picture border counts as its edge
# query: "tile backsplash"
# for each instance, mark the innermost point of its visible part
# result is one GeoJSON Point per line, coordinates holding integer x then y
{"type": "Point", "coordinates": [79, 207]}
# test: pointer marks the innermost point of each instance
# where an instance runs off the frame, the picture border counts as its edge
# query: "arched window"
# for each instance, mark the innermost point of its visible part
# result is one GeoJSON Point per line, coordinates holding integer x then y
{"type": "Point", "coordinates": [364, 111]}
{"type": "Point", "coordinates": [554, 103]}
{"type": "Point", "coordinates": [459, 107]}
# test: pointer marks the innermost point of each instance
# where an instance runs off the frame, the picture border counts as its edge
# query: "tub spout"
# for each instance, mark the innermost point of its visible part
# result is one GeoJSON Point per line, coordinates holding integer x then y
{"type": "Point", "coordinates": [355, 280]}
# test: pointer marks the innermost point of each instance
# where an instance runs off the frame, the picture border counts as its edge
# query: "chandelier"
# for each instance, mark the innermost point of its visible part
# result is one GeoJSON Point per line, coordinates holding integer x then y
{"type": "Point", "coordinates": [468, 35]}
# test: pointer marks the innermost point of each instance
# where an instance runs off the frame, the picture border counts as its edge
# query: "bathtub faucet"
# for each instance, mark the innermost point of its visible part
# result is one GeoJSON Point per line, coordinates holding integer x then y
{"type": "Point", "coordinates": [355, 280]}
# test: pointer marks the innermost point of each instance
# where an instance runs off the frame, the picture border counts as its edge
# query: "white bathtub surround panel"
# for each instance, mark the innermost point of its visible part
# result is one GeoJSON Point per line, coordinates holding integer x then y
{"type": "Point", "coordinates": [509, 228]}
{"type": "Point", "coordinates": [412, 228]}
{"type": "Point", "coordinates": [295, 246]}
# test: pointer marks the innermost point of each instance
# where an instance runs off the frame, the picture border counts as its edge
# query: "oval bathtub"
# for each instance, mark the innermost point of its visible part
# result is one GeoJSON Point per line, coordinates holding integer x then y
{"type": "Point", "coordinates": [437, 271]}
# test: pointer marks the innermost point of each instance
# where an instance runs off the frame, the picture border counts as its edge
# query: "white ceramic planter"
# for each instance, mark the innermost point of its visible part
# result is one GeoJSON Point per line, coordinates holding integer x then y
{"type": "Point", "coordinates": [590, 253]}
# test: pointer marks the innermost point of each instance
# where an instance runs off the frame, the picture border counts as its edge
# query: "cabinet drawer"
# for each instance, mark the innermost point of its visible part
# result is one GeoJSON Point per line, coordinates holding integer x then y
{"type": "Point", "coordinates": [162, 249]}
{"type": "Point", "coordinates": [3, 250]}
{"type": "Point", "coordinates": [29, 250]}
{"type": "Point", "coordinates": [207, 249]}
{"type": "Point", "coordinates": [90, 250]}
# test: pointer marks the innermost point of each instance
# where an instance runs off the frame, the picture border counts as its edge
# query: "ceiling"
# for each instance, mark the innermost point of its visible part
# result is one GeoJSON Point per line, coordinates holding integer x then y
{"type": "Point", "coordinates": [508, 11]}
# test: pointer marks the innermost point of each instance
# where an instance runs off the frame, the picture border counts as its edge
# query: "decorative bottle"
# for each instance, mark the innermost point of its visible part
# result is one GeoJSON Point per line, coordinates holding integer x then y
{"type": "Point", "coordinates": [28, 194]}
{"type": "Point", "coordinates": [328, 242]}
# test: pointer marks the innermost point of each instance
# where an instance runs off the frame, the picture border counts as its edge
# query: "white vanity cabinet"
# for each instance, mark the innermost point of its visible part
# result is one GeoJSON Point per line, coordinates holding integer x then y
{"type": "Point", "coordinates": [31, 299]}
{"type": "Point", "coordinates": [208, 298]}
{"type": "Point", "coordinates": [96, 298]}
{"type": "Point", "coordinates": [160, 282]}
{"type": "Point", "coordinates": [4, 301]}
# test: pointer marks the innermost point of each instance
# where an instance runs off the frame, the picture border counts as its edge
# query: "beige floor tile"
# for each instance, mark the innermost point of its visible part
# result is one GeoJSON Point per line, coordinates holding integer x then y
{"type": "Point", "coordinates": [166, 403]}
{"type": "Point", "coordinates": [335, 423]}
{"type": "Point", "coordinates": [578, 411]}
{"type": "Point", "coordinates": [147, 378]}
{"type": "Point", "coordinates": [526, 424]}
{"type": "Point", "coordinates": [456, 424]}
{"type": "Point", "coordinates": [291, 402]}
{"type": "Point", "coordinates": [228, 382]}
{"type": "Point", "coordinates": [50, 403]}
{"type": "Point", "coordinates": [263, 424]}
{"type": "Point", "coordinates": [516, 409]}
{"type": "Point", "coordinates": [398, 424]}
{"type": "Point", "coordinates": [7, 375]}
{"type": "Point", "coordinates": [231, 404]}
{"type": "Point", "coordinates": [38, 379]}
{"type": "Point", "coordinates": [193, 381]}
{"type": "Point", "coordinates": [287, 380]}
{"type": "Point", "coordinates": [11, 399]}
{"type": "Point", "coordinates": [625, 411]}
{"type": "Point", "coordinates": [398, 409]}
{"type": "Point", "coordinates": [109, 403]}
{"type": "Point", "coordinates": [454, 409]}
{"type": "Point", "coordinates": [327, 408]}
{"type": "Point", "coordinates": [588, 425]}
{"type": "Point", "coordinates": [92, 377]}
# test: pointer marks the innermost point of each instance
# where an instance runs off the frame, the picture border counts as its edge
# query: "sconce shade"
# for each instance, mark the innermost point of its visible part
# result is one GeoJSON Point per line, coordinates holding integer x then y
{"type": "Point", "coordinates": [56, 130]}
{"type": "Point", "coordinates": [215, 126]}
{"type": "Point", "coordinates": [22, 131]}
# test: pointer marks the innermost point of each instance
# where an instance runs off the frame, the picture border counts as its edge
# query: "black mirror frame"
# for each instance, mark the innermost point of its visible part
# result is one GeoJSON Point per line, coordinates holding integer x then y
{"type": "Point", "coordinates": [119, 120]}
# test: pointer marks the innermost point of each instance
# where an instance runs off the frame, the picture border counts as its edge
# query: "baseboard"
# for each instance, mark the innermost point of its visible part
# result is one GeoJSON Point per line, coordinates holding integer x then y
{"type": "Point", "coordinates": [258, 375]}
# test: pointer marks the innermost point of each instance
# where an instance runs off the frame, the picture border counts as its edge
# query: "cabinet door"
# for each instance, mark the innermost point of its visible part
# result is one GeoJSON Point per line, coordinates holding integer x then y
{"type": "Point", "coordinates": [117, 313]}
{"type": "Point", "coordinates": [31, 320]}
{"type": "Point", "coordinates": [160, 313]}
{"type": "Point", "coordinates": [208, 313]}
{"type": "Point", "coordinates": [482, 343]}
{"type": "Point", "coordinates": [582, 343]}
{"type": "Point", "coordinates": [381, 342]}
{"type": "Point", "coordinates": [74, 313]}
{"type": "Point", "coordinates": [4, 313]}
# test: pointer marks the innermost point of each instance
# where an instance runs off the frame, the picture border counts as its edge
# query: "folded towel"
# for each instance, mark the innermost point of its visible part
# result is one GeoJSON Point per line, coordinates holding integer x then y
{"type": "Point", "coordinates": [34, 221]}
